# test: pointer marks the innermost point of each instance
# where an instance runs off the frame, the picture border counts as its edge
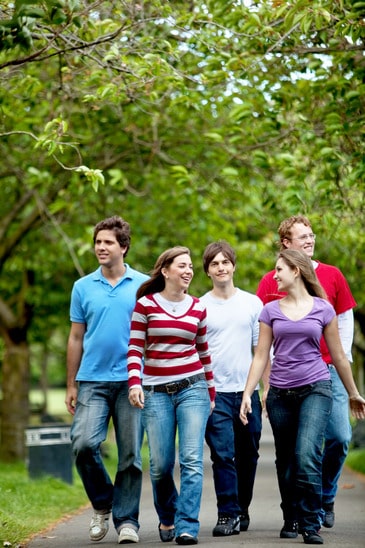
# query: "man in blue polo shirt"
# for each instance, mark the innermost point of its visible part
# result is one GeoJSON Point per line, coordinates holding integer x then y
{"type": "Point", "coordinates": [97, 388]}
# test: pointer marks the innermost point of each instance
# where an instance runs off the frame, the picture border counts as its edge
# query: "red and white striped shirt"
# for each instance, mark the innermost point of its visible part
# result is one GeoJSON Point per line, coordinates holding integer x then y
{"type": "Point", "coordinates": [173, 348]}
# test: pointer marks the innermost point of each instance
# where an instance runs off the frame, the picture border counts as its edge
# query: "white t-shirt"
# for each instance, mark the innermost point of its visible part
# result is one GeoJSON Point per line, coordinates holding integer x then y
{"type": "Point", "coordinates": [232, 331]}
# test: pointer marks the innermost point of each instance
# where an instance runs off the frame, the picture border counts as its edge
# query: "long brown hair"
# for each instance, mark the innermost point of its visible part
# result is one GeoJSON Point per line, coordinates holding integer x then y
{"type": "Point", "coordinates": [156, 282]}
{"type": "Point", "coordinates": [298, 259]}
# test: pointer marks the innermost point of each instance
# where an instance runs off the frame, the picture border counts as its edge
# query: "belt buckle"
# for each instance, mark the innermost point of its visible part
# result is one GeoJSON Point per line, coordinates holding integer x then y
{"type": "Point", "coordinates": [171, 387]}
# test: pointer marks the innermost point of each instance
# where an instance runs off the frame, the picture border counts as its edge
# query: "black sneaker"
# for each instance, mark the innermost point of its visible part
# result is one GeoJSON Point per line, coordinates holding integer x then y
{"type": "Point", "coordinates": [289, 530]}
{"type": "Point", "coordinates": [312, 537]}
{"type": "Point", "coordinates": [329, 515]}
{"type": "Point", "coordinates": [244, 521]}
{"type": "Point", "coordinates": [186, 540]}
{"type": "Point", "coordinates": [226, 526]}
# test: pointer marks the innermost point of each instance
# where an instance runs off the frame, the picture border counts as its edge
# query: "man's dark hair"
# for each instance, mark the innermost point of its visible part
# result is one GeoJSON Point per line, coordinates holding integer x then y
{"type": "Point", "coordinates": [120, 228]}
{"type": "Point", "coordinates": [218, 247]}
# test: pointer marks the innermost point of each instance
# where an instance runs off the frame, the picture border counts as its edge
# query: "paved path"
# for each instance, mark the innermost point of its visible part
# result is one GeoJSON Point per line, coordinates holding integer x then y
{"type": "Point", "coordinates": [266, 519]}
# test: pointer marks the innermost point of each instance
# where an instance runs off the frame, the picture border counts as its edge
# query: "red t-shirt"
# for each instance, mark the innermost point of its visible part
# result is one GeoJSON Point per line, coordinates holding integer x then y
{"type": "Point", "coordinates": [333, 282]}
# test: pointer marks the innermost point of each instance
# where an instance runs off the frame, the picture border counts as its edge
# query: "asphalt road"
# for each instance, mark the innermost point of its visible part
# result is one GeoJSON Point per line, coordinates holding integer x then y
{"type": "Point", "coordinates": [265, 513]}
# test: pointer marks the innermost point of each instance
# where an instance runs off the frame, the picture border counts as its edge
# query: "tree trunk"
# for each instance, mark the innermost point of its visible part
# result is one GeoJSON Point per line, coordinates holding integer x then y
{"type": "Point", "coordinates": [15, 403]}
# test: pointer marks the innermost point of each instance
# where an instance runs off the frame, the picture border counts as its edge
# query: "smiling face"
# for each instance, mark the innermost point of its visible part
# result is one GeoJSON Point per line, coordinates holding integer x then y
{"type": "Point", "coordinates": [221, 270]}
{"type": "Point", "coordinates": [107, 249]}
{"type": "Point", "coordinates": [284, 275]}
{"type": "Point", "coordinates": [301, 238]}
{"type": "Point", "coordinates": [179, 273]}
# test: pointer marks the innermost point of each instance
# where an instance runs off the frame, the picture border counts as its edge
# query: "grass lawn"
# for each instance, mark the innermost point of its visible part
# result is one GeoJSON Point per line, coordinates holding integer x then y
{"type": "Point", "coordinates": [28, 506]}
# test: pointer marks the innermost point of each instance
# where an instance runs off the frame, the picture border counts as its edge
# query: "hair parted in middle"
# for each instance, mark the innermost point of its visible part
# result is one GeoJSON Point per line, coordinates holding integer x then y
{"type": "Point", "coordinates": [297, 259]}
{"type": "Point", "coordinates": [218, 247]}
{"type": "Point", "coordinates": [156, 282]}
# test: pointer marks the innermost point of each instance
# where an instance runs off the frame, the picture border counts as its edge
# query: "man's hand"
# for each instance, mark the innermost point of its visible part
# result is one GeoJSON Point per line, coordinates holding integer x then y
{"type": "Point", "coordinates": [71, 399]}
{"type": "Point", "coordinates": [245, 408]}
{"type": "Point", "coordinates": [357, 405]}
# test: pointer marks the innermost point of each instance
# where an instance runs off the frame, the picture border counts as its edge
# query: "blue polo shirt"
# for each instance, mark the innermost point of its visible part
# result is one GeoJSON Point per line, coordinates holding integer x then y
{"type": "Point", "coordinates": [107, 312]}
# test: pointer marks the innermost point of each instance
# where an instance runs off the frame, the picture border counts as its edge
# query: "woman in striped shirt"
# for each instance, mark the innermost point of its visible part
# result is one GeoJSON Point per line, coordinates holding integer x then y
{"type": "Point", "coordinates": [168, 341]}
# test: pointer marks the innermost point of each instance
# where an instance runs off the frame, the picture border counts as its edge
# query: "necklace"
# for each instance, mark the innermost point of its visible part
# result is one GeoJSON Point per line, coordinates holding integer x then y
{"type": "Point", "coordinates": [176, 307]}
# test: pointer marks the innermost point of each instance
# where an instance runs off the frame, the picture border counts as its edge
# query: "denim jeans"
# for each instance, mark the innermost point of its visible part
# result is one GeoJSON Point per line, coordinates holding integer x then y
{"type": "Point", "coordinates": [234, 450]}
{"type": "Point", "coordinates": [337, 438]}
{"type": "Point", "coordinates": [97, 403]}
{"type": "Point", "coordinates": [187, 413]}
{"type": "Point", "coordinates": [299, 418]}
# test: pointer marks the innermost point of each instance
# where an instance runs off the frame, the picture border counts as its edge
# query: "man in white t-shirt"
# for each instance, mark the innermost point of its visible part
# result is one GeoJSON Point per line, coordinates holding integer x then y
{"type": "Point", "coordinates": [232, 331]}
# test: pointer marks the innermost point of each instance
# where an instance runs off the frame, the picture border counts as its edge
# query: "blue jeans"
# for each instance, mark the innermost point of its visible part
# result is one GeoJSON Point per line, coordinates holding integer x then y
{"type": "Point", "coordinates": [299, 418]}
{"type": "Point", "coordinates": [337, 438]}
{"type": "Point", "coordinates": [187, 412]}
{"type": "Point", "coordinates": [97, 403]}
{"type": "Point", "coordinates": [234, 450]}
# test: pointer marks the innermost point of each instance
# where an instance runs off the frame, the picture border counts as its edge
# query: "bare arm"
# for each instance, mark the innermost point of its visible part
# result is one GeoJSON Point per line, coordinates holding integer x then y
{"type": "Point", "coordinates": [258, 366]}
{"type": "Point", "coordinates": [266, 385]}
{"type": "Point", "coordinates": [265, 382]}
{"type": "Point", "coordinates": [343, 367]}
{"type": "Point", "coordinates": [74, 354]}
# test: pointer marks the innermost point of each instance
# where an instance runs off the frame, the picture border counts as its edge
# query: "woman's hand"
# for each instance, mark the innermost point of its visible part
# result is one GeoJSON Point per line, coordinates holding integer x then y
{"type": "Point", "coordinates": [136, 397]}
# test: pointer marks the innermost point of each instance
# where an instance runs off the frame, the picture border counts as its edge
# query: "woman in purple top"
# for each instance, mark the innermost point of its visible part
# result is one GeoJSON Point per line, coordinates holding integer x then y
{"type": "Point", "coordinates": [300, 399]}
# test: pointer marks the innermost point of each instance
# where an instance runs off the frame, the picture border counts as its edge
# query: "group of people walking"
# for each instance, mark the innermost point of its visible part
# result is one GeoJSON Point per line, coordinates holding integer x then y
{"type": "Point", "coordinates": [145, 353]}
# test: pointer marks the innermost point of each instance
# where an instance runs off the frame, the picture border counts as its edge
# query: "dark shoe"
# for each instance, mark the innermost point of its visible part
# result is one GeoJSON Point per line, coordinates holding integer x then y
{"type": "Point", "coordinates": [166, 535]}
{"type": "Point", "coordinates": [244, 521]}
{"type": "Point", "coordinates": [329, 515]}
{"type": "Point", "coordinates": [226, 526]}
{"type": "Point", "coordinates": [312, 537]}
{"type": "Point", "coordinates": [185, 539]}
{"type": "Point", "coordinates": [289, 530]}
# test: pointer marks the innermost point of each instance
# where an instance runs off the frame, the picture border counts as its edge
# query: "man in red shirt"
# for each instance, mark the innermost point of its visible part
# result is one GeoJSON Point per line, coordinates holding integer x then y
{"type": "Point", "coordinates": [296, 233]}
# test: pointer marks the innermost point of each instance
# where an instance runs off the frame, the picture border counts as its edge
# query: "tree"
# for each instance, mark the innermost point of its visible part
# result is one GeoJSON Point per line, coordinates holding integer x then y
{"type": "Point", "coordinates": [207, 120]}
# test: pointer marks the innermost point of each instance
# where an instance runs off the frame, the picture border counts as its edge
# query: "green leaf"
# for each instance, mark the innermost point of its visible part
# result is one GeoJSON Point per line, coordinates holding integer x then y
{"type": "Point", "coordinates": [214, 136]}
{"type": "Point", "coordinates": [230, 172]}
{"type": "Point", "coordinates": [238, 112]}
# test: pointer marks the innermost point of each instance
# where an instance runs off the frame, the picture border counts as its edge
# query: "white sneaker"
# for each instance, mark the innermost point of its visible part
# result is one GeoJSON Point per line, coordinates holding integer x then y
{"type": "Point", "coordinates": [127, 534]}
{"type": "Point", "coordinates": [99, 525]}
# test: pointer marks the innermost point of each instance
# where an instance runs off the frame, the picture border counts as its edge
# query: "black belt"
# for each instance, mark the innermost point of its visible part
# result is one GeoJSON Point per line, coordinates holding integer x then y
{"type": "Point", "coordinates": [295, 391]}
{"type": "Point", "coordinates": [173, 387]}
